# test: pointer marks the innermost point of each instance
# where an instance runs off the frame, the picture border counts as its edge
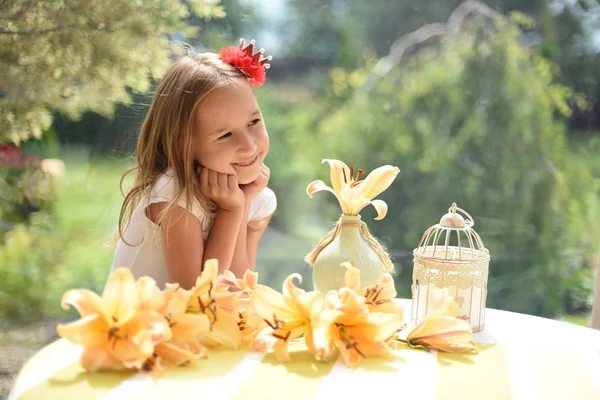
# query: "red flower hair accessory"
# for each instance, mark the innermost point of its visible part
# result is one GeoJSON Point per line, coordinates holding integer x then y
{"type": "Point", "coordinates": [253, 66]}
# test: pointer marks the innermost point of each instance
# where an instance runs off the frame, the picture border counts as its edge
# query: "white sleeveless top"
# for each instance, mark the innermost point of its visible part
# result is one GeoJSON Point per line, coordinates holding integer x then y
{"type": "Point", "coordinates": [144, 255]}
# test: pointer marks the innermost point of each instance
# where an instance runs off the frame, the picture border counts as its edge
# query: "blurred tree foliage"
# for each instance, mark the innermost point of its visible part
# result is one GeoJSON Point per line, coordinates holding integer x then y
{"type": "Point", "coordinates": [118, 132]}
{"type": "Point", "coordinates": [78, 55]}
{"type": "Point", "coordinates": [338, 32]}
{"type": "Point", "coordinates": [477, 118]}
{"type": "Point", "coordinates": [29, 256]}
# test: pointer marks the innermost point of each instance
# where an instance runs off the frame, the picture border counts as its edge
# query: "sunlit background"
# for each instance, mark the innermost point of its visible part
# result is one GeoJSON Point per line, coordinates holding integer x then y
{"type": "Point", "coordinates": [494, 105]}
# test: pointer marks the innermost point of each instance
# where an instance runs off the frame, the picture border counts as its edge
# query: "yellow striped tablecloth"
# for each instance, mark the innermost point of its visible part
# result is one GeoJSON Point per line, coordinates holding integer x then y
{"type": "Point", "coordinates": [521, 357]}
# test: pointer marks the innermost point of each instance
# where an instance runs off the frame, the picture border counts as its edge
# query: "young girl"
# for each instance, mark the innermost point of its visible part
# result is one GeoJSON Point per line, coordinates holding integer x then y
{"type": "Point", "coordinates": [201, 186]}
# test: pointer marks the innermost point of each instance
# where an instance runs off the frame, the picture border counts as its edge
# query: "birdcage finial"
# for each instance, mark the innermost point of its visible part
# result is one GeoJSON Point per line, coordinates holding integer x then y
{"type": "Point", "coordinates": [454, 220]}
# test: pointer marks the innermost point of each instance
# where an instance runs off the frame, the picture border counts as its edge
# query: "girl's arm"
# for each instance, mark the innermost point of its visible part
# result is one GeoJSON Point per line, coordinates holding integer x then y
{"type": "Point", "coordinates": [225, 191]}
{"type": "Point", "coordinates": [244, 256]}
{"type": "Point", "coordinates": [240, 262]}
{"type": "Point", "coordinates": [221, 243]}
{"type": "Point", "coordinates": [182, 243]}
{"type": "Point", "coordinates": [184, 248]}
{"type": "Point", "coordinates": [255, 231]}
{"type": "Point", "coordinates": [249, 235]}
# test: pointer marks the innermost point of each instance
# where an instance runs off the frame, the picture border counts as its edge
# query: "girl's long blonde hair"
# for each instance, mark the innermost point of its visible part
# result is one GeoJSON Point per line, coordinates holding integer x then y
{"type": "Point", "coordinates": [166, 139]}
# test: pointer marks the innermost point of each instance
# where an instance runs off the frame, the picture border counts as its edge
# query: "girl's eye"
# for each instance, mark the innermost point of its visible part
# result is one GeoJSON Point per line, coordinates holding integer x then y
{"type": "Point", "coordinates": [256, 121]}
{"type": "Point", "coordinates": [225, 136]}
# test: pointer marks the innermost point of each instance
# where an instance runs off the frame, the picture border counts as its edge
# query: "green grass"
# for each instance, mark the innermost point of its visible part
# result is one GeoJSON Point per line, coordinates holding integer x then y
{"type": "Point", "coordinates": [582, 320]}
{"type": "Point", "coordinates": [87, 214]}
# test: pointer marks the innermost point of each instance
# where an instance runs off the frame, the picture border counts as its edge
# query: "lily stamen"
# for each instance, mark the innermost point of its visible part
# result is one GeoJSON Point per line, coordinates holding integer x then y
{"type": "Point", "coordinates": [112, 332]}
{"type": "Point", "coordinates": [277, 323]}
{"type": "Point", "coordinates": [356, 181]}
{"type": "Point", "coordinates": [284, 338]}
{"type": "Point", "coordinates": [203, 308]}
{"type": "Point", "coordinates": [348, 340]}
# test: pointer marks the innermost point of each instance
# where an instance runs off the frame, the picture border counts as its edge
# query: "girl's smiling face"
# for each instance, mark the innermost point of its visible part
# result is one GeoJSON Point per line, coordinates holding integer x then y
{"type": "Point", "coordinates": [231, 136]}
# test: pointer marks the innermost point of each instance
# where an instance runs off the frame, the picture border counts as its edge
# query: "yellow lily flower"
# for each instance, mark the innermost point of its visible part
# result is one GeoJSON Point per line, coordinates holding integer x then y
{"type": "Point", "coordinates": [151, 297]}
{"type": "Point", "coordinates": [441, 329]}
{"type": "Point", "coordinates": [112, 329]}
{"type": "Point", "coordinates": [219, 304]}
{"type": "Point", "coordinates": [287, 315]}
{"type": "Point", "coordinates": [250, 323]}
{"type": "Point", "coordinates": [352, 193]}
{"type": "Point", "coordinates": [380, 297]}
{"type": "Point", "coordinates": [443, 304]}
{"type": "Point", "coordinates": [186, 328]}
{"type": "Point", "coordinates": [444, 333]}
{"type": "Point", "coordinates": [243, 287]}
{"type": "Point", "coordinates": [347, 324]}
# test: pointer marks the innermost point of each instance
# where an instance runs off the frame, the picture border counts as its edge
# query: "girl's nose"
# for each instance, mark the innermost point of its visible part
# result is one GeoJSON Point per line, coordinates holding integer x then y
{"type": "Point", "coordinates": [247, 145]}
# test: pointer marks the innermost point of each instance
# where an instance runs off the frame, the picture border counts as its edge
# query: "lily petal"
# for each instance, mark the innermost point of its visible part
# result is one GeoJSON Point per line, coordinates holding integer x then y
{"type": "Point", "coordinates": [352, 200]}
{"type": "Point", "coordinates": [318, 186]}
{"type": "Point", "coordinates": [263, 341]}
{"type": "Point", "coordinates": [187, 327]}
{"type": "Point", "coordinates": [98, 358]}
{"type": "Point", "coordinates": [349, 355]}
{"type": "Point", "coordinates": [120, 296]}
{"type": "Point", "coordinates": [380, 293]}
{"type": "Point", "coordinates": [89, 332]}
{"type": "Point", "coordinates": [386, 325]}
{"type": "Point", "coordinates": [202, 294]}
{"type": "Point", "coordinates": [209, 272]}
{"type": "Point", "coordinates": [227, 278]}
{"type": "Point", "coordinates": [224, 332]}
{"type": "Point", "coordinates": [309, 302]}
{"type": "Point", "coordinates": [173, 354]}
{"type": "Point", "coordinates": [380, 206]}
{"type": "Point", "coordinates": [452, 347]}
{"type": "Point", "coordinates": [152, 322]}
{"type": "Point", "coordinates": [324, 334]}
{"type": "Point", "coordinates": [443, 305]}
{"type": "Point", "coordinates": [250, 279]}
{"type": "Point", "coordinates": [134, 350]}
{"type": "Point", "coordinates": [351, 276]}
{"type": "Point", "coordinates": [177, 304]}
{"type": "Point", "coordinates": [151, 298]}
{"type": "Point", "coordinates": [268, 302]}
{"type": "Point", "coordinates": [443, 333]}
{"type": "Point", "coordinates": [394, 306]}
{"type": "Point", "coordinates": [281, 351]}
{"type": "Point", "coordinates": [85, 302]}
{"type": "Point", "coordinates": [352, 303]}
{"type": "Point", "coordinates": [289, 289]}
{"type": "Point", "coordinates": [378, 181]}
{"type": "Point", "coordinates": [338, 169]}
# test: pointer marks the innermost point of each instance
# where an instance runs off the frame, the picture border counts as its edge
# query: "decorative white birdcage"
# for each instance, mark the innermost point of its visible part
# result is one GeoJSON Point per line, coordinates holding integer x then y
{"type": "Point", "coordinates": [451, 255]}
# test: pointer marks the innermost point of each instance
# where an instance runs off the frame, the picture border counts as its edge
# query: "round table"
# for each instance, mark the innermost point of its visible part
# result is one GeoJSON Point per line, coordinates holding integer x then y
{"type": "Point", "coordinates": [521, 357]}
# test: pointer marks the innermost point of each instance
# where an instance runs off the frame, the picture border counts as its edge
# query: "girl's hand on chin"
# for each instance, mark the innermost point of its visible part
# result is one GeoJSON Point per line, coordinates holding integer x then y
{"type": "Point", "coordinates": [252, 189]}
{"type": "Point", "coordinates": [221, 188]}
